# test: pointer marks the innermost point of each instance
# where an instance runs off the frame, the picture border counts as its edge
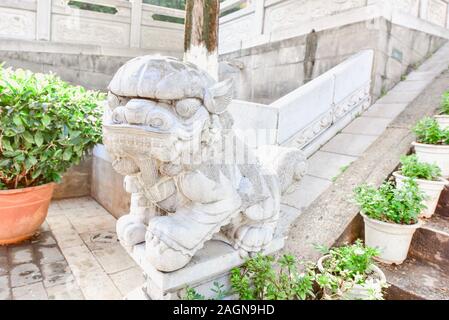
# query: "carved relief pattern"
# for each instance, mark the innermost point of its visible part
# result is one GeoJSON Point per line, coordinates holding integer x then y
{"type": "Point", "coordinates": [290, 13]}
{"type": "Point", "coordinates": [437, 12]}
{"type": "Point", "coordinates": [358, 99]}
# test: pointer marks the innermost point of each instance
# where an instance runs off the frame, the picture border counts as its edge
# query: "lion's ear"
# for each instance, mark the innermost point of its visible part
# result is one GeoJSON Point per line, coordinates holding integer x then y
{"type": "Point", "coordinates": [218, 97]}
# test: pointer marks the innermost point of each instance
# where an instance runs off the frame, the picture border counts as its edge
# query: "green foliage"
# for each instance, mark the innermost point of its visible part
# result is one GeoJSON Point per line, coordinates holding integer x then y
{"type": "Point", "coordinates": [345, 267]}
{"type": "Point", "coordinates": [445, 103]}
{"type": "Point", "coordinates": [412, 168]}
{"type": "Point", "coordinates": [220, 293]}
{"type": "Point", "coordinates": [92, 7]}
{"type": "Point", "coordinates": [388, 204]}
{"type": "Point", "coordinates": [46, 126]}
{"type": "Point", "coordinates": [428, 131]}
{"type": "Point", "coordinates": [260, 279]}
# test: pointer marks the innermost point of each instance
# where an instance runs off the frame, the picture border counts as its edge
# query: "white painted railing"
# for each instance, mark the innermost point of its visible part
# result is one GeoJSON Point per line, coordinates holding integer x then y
{"type": "Point", "coordinates": [309, 116]}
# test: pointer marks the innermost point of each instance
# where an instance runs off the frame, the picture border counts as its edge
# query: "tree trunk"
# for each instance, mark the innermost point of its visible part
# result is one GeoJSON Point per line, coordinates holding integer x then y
{"type": "Point", "coordinates": [201, 34]}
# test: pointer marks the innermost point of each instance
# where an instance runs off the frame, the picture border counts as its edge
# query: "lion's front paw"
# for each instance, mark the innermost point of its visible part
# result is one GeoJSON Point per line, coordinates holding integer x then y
{"type": "Point", "coordinates": [253, 238]}
{"type": "Point", "coordinates": [130, 230]}
{"type": "Point", "coordinates": [163, 257]}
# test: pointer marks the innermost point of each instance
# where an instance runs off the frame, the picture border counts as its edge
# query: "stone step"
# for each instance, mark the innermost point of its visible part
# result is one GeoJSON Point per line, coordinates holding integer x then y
{"type": "Point", "coordinates": [416, 280]}
{"type": "Point", "coordinates": [431, 243]}
{"type": "Point", "coordinates": [443, 205]}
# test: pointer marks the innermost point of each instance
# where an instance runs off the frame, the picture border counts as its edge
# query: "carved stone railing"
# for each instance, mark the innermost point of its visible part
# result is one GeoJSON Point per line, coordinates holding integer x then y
{"type": "Point", "coordinates": [312, 114]}
{"type": "Point", "coordinates": [265, 21]}
{"type": "Point", "coordinates": [123, 24]}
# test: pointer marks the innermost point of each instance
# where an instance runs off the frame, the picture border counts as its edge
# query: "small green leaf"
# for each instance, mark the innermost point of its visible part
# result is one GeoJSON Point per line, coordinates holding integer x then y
{"type": "Point", "coordinates": [46, 120]}
{"type": "Point", "coordinates": [28, 137]}
{"type": "Point", "coordinates": [67, 154]}
{"type": "Point", "coordinates": [39, 139]}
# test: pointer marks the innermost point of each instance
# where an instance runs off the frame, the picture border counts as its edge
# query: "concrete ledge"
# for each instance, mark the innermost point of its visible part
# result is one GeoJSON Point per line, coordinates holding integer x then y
{"type": "Point", "coordinates": [328, 220]}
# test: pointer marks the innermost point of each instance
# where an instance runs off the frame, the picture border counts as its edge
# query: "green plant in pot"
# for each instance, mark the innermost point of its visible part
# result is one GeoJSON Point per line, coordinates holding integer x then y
{"type": "Point", "coordinates": [432, 144]}
{"type": "Point", "coordinates": [427, 176]}
{"type": "Point", "coordinates": [46, 126]}
{"type": "Point", "coordinates": [443, 117]}
{"type": "Point", "coordinates": [391, 217]}
{"type": "Point", "coordinates": [349, 273]}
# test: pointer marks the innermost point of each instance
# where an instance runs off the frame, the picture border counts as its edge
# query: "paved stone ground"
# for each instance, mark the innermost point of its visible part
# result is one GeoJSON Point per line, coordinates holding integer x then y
{"type": "Point", "coordinates": [76, 255]}
{"type": "Point", "coordinates": [349, 145]}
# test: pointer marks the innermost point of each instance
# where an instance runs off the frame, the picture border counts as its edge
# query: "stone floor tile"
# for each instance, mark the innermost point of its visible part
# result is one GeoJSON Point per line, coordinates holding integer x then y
{"type": "Point", "coordinates": [58, 222]}
{"type": "Point", "coordinates": [399, 97]}
{"type": "Point", "coordinates": [3, 251]}
{"type": "Point", "coordinates": [56, 273]}
{"type": "Point", "coordinates": [98, 286]}
{"type": "Point", "coordinates": [128, 280]}
{"type": "Point", "coordinates": [389, 111]}
{"type": "Point", "coordinates": [114, 258]}
{"type": "Point", "coordinates": [5, 290]}
{"type": "Point", "coordinates": [349, 144]}
{"type": "Point", "coordinates": [367, 126]}
{"type": "Point", "coordinates": [100, 239]}
{"type": "Point", "coordinates": [48, 254]}
{"type": "Point", "coordinates": [90, 224]}
{"type": "Point", "coordinates": [308, 190]}
{"type": "Point", "coordinates": [421, 76]}
{"type": "Point", "coordinates": [411, 85]}
{"type": "Point", "coordinates": [44, 227]}
{"type": "Point", "coordinates": [35, 291]}
{"type": "Point", "coordinates": [328, 165]}
{"type": "Point", "coordinates": [86, 212]}
{"type": "Point", "coordinates": [25, 274]}
{"type": "Point", "coordinates": [81, 260]}
{"type": "Point", "coordinates": [77, 203]}
{"type": "Point", "coordinates": [4, 265]}
{"type": "Point", "coordinates": [54, 209]}
{"type": "Point", "coordinates": [21, 254]}
{"type": "Point", "coordinates": [43, 239]}
{"type": "Point", "coordinates": [67, 237]}
{"type": "Point", "coordinates": [67, 291]}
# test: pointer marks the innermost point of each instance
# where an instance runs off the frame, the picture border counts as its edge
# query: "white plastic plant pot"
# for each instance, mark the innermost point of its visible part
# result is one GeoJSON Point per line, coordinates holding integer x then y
{"type": "Point", "coordinates": [376, 280]}
{"type": "Point", "coordinates": [432, 189]}
{"type": "Point", "coordinates": [443, 121]}
{"type": "Point", "coordinates": [434, 154]}
{"type": "Point", "coordinates": [393, 240]}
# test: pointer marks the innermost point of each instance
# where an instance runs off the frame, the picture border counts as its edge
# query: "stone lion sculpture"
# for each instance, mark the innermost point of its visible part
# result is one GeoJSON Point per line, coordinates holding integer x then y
{"type": "Point", "coordinates": [166, 128]}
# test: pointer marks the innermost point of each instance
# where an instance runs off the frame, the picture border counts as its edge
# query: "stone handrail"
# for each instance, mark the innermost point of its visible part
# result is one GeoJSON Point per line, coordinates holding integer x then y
{"type": "Point", "coordinates": [312, 114]}
{"type": "Point", "coordinates": [267, 21]}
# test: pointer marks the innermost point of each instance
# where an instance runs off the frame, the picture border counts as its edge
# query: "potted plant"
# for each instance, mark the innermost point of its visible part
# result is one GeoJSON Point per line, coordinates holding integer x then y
{"type": "Point", "coordinates": [432, 144]}
{"type": "Point", "coordinates": [46, 126]}
{"type": "Point", "coordinates": [391, 218]}
{"type": "Point", "coordinates": [428, 178]}
{"type": "Point", "coordinates": [349, 273]}
{"type": "Point", "coordinates": [443, 117]}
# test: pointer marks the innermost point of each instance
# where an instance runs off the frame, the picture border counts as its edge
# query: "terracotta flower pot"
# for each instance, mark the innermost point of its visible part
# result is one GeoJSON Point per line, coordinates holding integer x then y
{"type": "Point", "coordinates": [22, 211]}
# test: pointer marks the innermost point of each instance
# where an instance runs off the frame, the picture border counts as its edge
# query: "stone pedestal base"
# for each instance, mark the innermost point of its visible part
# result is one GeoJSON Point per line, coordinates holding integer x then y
{"type": "Point", "coordinates": [211, 264]}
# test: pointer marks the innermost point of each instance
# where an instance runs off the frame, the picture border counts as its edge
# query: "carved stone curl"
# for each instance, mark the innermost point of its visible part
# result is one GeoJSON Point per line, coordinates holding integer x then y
{"type": "Point", "coordinates": [166, 129]}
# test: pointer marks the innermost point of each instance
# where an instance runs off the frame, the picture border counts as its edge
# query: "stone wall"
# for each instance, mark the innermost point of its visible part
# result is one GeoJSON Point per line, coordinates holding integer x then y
{"type": "Point", "coordinates": [265, 73]}
{"type": "Point", "coordinates": [76, 182]}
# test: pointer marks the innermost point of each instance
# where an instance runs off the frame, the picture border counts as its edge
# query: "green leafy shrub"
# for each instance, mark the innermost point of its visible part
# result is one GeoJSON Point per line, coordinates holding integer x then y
{"type": "Point", "coordinates": [445, 103]}
{"type": "Point", "coordinates": [412, 168]}
{"type": "Point", "coordinates": [46, 126]}
{"type": "Point", "coordinates": [345, 267]}
{"type": "Point", "coordinates": [261, 279]}
{"type": "Point", "coordinates": [388, 204]}
{"type": "Point", "coordinates": [428, 131]}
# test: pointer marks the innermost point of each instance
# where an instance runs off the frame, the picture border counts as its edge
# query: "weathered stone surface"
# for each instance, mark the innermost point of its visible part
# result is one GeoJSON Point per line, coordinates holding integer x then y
{"type": "Point", "coordinates": [327, 165]}
{"type": "Point", "coordinates": [25, 274]}
{"type": "Point", "coordinates": [89, 224]}
{"type": "Point", "coordinates": [389, 111]}
{"type": "Point", "coordinates": [349, 144]}
{"type": "Point", "coordinates": [35, 291]}
{"type": "Point", "coordinates": [5, 290]}
{"type": "Point", "coordinates": [56, 273]}
{"type": "Point", "coordinates": [200, 184]}
{"type": "Point", "coordinates": [75, 182]}
{"type": "Point", "coordinates": [67, 237]}
{"type": "Point", "coordinates": [128, 280]}
{"type": "Point", "coordinates": [308, 190]}
{"type": "Point", "coordinates": [20, 254]}
{"type": "Point", "coordinates": [48, 254]}
{"type": "Point", "coordinates": [59, 221]}
{"type": "Point", "coordinates": [367, 126]}
{"type": "Point", "coordinates": [113, 258]}
{"type": "Point", "coordinates": [67, 291]}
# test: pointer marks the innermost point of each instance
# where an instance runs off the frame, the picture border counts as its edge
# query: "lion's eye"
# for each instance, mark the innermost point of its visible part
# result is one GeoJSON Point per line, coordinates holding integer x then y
{"type": "Point", "coordinates": [187, 107]}
{"type": "Point", "coordinates": [158, 121]}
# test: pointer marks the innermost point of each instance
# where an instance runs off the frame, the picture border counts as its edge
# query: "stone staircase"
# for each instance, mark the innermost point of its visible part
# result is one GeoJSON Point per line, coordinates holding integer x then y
{"type": "Point", "coordinates": [425, 274]}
